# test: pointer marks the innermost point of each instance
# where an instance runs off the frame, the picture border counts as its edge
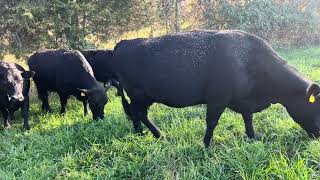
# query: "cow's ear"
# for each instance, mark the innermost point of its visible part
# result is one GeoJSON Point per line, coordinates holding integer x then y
{"type": "Point", "coordinates": [27, 74]}
{"type": "Point", "coordinates": [83, 92]}
{"type": "Point", "coordinates": [313, 93]}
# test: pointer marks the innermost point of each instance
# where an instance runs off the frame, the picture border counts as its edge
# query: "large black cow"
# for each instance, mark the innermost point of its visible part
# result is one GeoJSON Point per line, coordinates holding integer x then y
{"type": "Point", "coordinates": [14, 92]}
{"type": "Point", "coordinates": [67, 73]}
{"type": "Point", "coordinates": [100, 62]}
{"type": "Point", "coordinates": [222, 69]}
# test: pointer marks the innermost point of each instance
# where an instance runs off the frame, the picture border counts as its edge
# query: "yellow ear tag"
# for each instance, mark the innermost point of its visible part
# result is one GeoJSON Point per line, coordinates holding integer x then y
{"type": "Point", "coordinates": [82, 94]}
{"type": "Point", "coordinates": [312, 99]}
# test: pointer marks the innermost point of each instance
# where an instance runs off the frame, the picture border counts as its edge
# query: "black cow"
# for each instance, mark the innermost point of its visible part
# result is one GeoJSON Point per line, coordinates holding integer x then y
{"type": "Point", "coordinates": [14, 92]}
{"type": "Point", "coordinates": [100, 63]}
{"type": "Point", "coordinates": [222, 69]}
{"type": "Point", "coordinates": [67, 73]}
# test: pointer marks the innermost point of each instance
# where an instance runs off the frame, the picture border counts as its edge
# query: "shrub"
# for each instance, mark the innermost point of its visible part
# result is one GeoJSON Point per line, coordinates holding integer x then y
{"type": "Point", "coordinates": [282, 23]}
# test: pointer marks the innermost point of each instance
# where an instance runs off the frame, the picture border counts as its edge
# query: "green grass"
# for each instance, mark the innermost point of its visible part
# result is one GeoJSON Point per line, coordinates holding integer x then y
{"type": "Point", "coordinates": [72, 146]}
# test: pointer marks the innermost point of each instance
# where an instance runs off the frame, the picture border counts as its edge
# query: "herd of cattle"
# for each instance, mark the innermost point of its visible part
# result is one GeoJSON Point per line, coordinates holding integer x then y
{"type": "Point", "coordinates": [223, 69]}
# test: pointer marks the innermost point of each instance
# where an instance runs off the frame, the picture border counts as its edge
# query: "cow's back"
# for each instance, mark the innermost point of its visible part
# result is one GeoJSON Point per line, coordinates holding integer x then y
{"type": "Point", "coordinates": [190, 68]}
{"type": "Point", "coordinates": [44, 64]}
{"type": "Point", "coordinates": [171, 69]}
{"type": "Point", "coordinates": [100, 63]}
{"type": "Point", "coordinates": [57, 69]}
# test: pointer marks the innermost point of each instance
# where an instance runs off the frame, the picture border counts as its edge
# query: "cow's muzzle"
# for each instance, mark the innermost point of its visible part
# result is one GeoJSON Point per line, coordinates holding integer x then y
{"type": "Point", "coordinates": [15, 99]}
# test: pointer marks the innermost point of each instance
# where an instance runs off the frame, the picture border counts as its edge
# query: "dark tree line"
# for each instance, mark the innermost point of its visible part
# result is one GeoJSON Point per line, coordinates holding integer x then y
{"type": "Point", "coordinates": [27, 25]}
{"type": "Point", "coordinates": [32, 24]}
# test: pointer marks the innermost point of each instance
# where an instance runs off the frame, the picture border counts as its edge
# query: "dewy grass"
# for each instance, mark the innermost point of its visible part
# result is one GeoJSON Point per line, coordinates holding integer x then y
{"type": "Point", "coordinates": [73, 146]}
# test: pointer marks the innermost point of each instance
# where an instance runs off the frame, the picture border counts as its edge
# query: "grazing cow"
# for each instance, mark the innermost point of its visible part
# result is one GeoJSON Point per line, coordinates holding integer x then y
{"type": "Point", "coordinates": [14, 92]}
{"type": "Point", "coordinates": [67, 73]}
{"type": "Point", "coordinates": [100, 63]}
{"type": "Point", "coordinates": [222, 69]}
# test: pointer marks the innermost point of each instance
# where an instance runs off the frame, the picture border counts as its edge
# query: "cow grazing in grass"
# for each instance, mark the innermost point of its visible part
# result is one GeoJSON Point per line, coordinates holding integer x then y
{"type": "Point", "coordinates": [67, 73]}
{"type": "Point", "coordinates": [222, 69]}
{"type": "Point", "coordinates": [14, 92]}
{"type": "Point", "coordinates": [100, 62]}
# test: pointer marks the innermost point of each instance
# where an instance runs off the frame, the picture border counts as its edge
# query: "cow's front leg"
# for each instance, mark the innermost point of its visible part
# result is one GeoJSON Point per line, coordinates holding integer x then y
{"type": "Point", "coordinates": [117, 85]}
{"type": "Point", "coordinates": [125, 105]}
{"type": "Point", "coordinates": [136, 118]}
{"type": "Point", "coordinates": [63, 102]}
{"type": "Point", "coordinates": [5, 114]}
{"type": "Point", "coordinates": [85, 107]}
{"type": "Point", "coordinates": [25, 114]}
{"type": "Point", "coordinates": [141, 114]}
{"type": "Point", "coordinates": [213, 115]}
{"type": "Point", "coordinates": [247, 117]}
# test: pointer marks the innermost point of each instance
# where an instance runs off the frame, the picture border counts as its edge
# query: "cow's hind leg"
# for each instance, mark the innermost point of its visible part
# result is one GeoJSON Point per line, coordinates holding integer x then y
{"type": "Point", "coordinates": [214, 112]}
{"type": "Point", "coordinates": [247, 117]}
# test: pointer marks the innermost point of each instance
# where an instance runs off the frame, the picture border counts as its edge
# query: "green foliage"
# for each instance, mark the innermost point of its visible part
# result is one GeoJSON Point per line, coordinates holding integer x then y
{"type": "Point", "coordinates": [72, 146]}
{"type": "Point", "coordinates": [28, 25]}
{"type": "Point", "coordinates": [284, 23]}
{"type": "Point", "coordinates": [33, 24]}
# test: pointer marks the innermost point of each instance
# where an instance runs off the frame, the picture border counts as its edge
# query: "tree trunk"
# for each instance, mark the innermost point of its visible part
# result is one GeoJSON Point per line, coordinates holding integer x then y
{"type": "Point", "coordinates": [176, 20]}
{"type": "Point", "coordinates": [84, 23]}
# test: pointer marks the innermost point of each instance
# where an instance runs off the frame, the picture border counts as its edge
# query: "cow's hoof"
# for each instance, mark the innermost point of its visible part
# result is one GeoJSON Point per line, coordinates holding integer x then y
{"type": "Point", "coordinates": [26, 127]}
{"type": "Point", "coordinates": [206, 142]}
{"type": "Point", "coordinates": [254, 138]}
{"type": "Point", "coordinates": [207, 145]}
{"type": "Point", "coordinates": [49, 111]}
{"type": "Point", "coordinates": [157, 134]}
{"type": "Point", "coordinates": [162, 137]}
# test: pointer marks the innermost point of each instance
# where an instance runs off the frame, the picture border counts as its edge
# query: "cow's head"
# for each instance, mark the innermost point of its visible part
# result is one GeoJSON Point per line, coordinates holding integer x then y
{"type": "Point", "coordinates": [97, 99]}
{"type": "Point", "coordinates": [305, 110]}
{"type": "Point", "coordinates": [11, 84]}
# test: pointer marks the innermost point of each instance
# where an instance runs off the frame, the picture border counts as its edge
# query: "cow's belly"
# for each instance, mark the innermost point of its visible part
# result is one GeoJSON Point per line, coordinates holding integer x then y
{"type": "Point", "coordinates": [177, 98]}
{"type": "Point", "coordinates": [251, 105]}
{"type": "Point", "coordinates": [171, 91]}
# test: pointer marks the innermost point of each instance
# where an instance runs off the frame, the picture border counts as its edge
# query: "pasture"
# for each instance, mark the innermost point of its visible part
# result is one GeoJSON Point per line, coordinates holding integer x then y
{"type": "Point", "coordinates": [73, 146]}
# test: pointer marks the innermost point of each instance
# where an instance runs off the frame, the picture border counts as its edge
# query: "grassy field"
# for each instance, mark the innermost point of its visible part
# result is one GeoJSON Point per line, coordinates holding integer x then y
{"type": "Point", "coordinates": [75, 147]}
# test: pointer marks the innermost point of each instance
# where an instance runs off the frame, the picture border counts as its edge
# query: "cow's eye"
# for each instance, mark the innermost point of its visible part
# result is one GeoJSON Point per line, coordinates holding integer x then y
{"type": "Point", "coordinates": [17, 79]}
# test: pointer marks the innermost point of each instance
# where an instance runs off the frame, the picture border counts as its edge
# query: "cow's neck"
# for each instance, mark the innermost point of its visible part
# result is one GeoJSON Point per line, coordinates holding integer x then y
{"type": "Point", "coordinates": [288, 83]}
{"type": "Point", "coordinates": [89, 83]}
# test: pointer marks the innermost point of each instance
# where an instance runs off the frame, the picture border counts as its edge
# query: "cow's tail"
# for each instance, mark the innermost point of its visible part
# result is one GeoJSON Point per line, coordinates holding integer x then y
{"type": "Point", "coordinates": [125, 103]}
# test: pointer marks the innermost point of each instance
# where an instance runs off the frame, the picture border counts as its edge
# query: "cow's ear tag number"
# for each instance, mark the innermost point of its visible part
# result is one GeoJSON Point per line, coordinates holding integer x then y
{"type": "Point", "coordinates": [82, 94]}
{"type": "Point", "coordinates": [312, 98]}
